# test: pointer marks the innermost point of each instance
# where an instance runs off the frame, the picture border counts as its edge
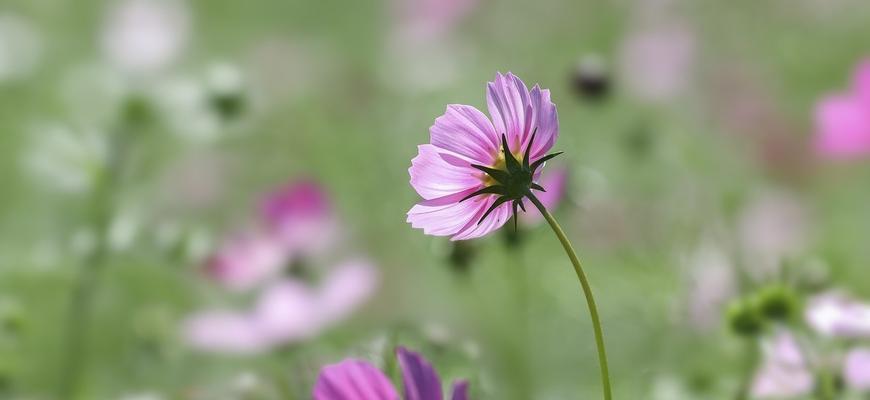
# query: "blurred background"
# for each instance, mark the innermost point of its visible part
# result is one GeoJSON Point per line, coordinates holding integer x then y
{"type": "Point", "coordinates": [206, 199]}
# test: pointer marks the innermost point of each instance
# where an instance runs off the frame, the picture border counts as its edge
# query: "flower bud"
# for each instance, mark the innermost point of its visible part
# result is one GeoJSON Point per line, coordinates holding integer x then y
{"type": "Point", "coordinates": [779, 303]}
{"type": "Point", "coordinates": [744, 318]}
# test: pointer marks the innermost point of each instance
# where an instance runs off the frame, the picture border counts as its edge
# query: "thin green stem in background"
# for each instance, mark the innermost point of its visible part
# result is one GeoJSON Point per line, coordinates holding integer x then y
{"type": "Point", "coordinates": [587, 292]}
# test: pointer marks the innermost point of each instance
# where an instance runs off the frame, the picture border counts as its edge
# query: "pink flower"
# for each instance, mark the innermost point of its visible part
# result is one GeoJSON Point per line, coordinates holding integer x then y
{"type": "Point", "coordinates": [287, 311]}
{"type": "Point", "coordinates": [857, 369]}
{"type": "Point", "coordinates": [354, 379]}
{"type": "Point", "coordinates": [556, 183]}
{"type": "Point", "coordinates": [465, 175]}
{"type": "Point", "coordinates": [784, 371]}
{"type": "Point", "coordinates": [834, 314]}
{"type": "Point", "coordinates": [300, 215]}
{"type": "Point", "coordinates": [245, 261]}
{"type": "Point", "coordinates": [843, 120]}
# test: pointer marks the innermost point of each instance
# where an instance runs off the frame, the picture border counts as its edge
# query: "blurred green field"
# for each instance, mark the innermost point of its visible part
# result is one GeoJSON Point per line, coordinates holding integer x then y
{"type": "Point", "coordinates": [651, 183]}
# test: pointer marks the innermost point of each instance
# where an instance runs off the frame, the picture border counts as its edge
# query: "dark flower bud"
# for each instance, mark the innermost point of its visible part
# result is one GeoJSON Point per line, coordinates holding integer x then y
{"type": "Point", "coordinates": [744, 318]}
{"type": "Point", "coordinates": [461, 255]}
{"type": "Point", "coordinates": [590, 78]}
{"type": "Point", "coordinates": [778, 303]}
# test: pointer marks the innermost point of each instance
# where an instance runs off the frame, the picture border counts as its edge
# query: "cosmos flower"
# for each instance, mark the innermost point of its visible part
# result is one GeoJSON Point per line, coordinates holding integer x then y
{"type": "Point", "coordinates": [300, 215]}
{"type": "Point", "coordinates": [145, 35]}
{"type": "Point", "coordinates": [246, 260]}
{"type": "Point", "coordinates": [784, 371]}
{"type": "Point", "coordinates": [843, 119]}
{"type": "Point", "coordinates": [354, 379]}
{"type": "Point", "coordinates": [288, 311]}
{"type": "Point", "coordinates": [464, 175]}
{"type": "Point", "coordinates": [836, 315]}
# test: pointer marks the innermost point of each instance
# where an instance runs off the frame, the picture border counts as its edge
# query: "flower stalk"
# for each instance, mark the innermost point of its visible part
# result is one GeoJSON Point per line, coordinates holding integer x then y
{"type": "Point", "coordinates": [587, 292]}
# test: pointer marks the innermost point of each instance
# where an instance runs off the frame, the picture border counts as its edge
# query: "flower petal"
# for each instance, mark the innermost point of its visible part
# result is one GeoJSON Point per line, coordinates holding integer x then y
{"type": "Point", "coordinates": [301, 215]}
{"type": "Point", "coordinates": [842, 127]}
{"type": "Point", "coordinates": [287, 312]}
{"type": "Point", "coordinates": [353, 380]}
{"type": "Point", "coordinates": [466, 131]}
{"type": "Point", "coordinates": [446, 216]}
{"type": "Point", "coordinates": [861, 81]}
{"type": "Point", "coordinates": [346, 288]}
{"type": "Point", "coordinates": [438, 173]}
{"type": "Point", "coordinates": [460, 390]}
{"type": "Point", "coordinates": [420, 379]}
{"type": "Point", "coordinates": [223, 332]}
{"type": "Point", "coordinates": [784, 372]}
{"type": "Point", "coordinates": [834, 314]}
{"type": "Point", "coordinates": [496, 219]}
{"type": "Point", "coordinates": [546, 120]}
{"type": "Point", "coordinates": [507, 98]}
{"type": "Point", "coordinates": [857, 369]}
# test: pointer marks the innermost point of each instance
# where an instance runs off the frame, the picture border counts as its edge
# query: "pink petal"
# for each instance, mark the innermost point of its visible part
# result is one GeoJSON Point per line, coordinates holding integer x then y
{"type": "Point", "coordinates": [842, 127]}
{"type": "Point", "coordinates": [287, 312]}
{"type": "Point", "coordinates": [507, 98]}
{"type": "Point", "coordinates": [784, 372]}
{"type": "Point", "coordinates": [460, 390]}
{"type": "Point", "coordinates": [246, 261]}
{"type": "Point", "coordinates": [223, 332]}
{"type": "Point", "coordinates": [433, 176]}
{"type": "Point", "coordinates": [446, 216]}
{"type": "Point", "coordinates": [420, 379]}
{"type": "Point", "coordinates": [834, 314]}
{"type": "Point", "coordinates": [555, 182]}
{"type": "Point", "coordinates": [466, 131]}
{"type": "Point", "coordinates": [857, 369]}
{"type": "Point", "coordinates": [302, 217]}
{"type": "Point", "coordinates": [862, 82]}
{"type": "Point", "coordinates": [546, 120]}
{"type": "Point", "coordinates": [346, 288]}
{"type": "Point", "coordinates": [353, 380]}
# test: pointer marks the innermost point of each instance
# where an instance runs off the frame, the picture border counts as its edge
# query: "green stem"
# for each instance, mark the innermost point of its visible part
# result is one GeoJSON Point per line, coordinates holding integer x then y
{"type": "Point", "coordinates": [587, 292]}
{"type": "Point", "coordinates": [87, 283]}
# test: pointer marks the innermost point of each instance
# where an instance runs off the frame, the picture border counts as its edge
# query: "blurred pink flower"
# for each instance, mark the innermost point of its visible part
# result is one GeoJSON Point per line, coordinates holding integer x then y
{"type": "Point", "coordinates": [354, 379]}
{"type": "Point", "coordinates": [300, 215]}
{"type": "Point", "coordinates": [656, 63]}
{"type": "Point", "coordinates": [836, 315]}
{"type": "Point", "coordinates": [556, 183]}
{"type": "Point", "coordinates": [246, 261]}
{"type": "Point", "coordinates": [145, 35]}
{"type": "Point", "coordinates": [843, 119]}
{"type": "Point", "coordinates": [288, 311]}
{"type": "Point", "coordinates": [425, 19]}
{"type": "Point", "coordinates": [856, 372]}
{"type": "Point", "coordinates": [784, 371]}
{"type": "Point", "coordinates": [443, 173]}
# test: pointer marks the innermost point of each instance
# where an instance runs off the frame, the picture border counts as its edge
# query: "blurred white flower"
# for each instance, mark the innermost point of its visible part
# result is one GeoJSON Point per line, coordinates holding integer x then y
{"type": "Point", "coordinates": [142, 36]}
{"type": "Point", "coordinates": [836, 315]}
{"type": "Point", "coordinates": [64, 159]}
{"type": "Point", "coordinates": [21, 47]}
{"type": "Point", "coordinates": [711, 284]}
{"type": "Point", "coordinates": [772, 228]}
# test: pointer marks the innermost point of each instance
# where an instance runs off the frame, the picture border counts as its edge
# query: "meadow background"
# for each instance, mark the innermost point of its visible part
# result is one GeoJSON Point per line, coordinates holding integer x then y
{"type": "Point", "coordinates": [698, 157]}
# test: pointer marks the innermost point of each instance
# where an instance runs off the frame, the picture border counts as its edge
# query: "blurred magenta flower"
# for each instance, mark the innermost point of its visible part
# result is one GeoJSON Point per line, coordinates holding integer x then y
{"type": "Point", "coordinates": [843, 119]}
{"type": "Point", "coordinates": [288, 311]}
{"type": "Point", "coordinates": [856, 372]}
{"type": "Point", "coordinates": [246, 260]}
{"type": "Point", "coordinates": [556, 183]}
{"type": "Point", "coordinates": [354, 379]}
{"type": "Point", "coordinates": [784, 371]}
{"type": "Point", "coordinates": [465, 150]}
{"type": "Point", "coordinates": [836, 315]}
{"type": "Point", "coordinates": [300, 215]}
{"type": "Point", "coordinates": [145, 35]}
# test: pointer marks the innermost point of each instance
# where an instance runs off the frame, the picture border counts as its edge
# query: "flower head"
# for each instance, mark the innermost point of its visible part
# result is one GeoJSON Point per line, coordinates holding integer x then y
{"type": "Point", "coordinates": [833, 314]}
{"type": "Point", "coordinates": [474, 166]}
{"type": "Point", "coordinates": [354, 379]}
{"type": "Point", "coordinates": [301, 215]}
{"type": "Point", "coordinates": [784, 371]}
{"type": "Point", "coordinates": [843, 120]}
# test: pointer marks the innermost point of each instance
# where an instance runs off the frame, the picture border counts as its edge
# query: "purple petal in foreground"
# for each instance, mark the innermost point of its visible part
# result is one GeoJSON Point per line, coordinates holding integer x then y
{"type": "Point", "coordinates": [420, 379]}
{"type": "Point", "coordinates": [353, 380]}
{"type": "Point", "coordinates": [460, 390]}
